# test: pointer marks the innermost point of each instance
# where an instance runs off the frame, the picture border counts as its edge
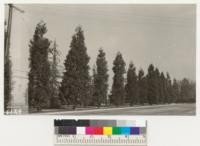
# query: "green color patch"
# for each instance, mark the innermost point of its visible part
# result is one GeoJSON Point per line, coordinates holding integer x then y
{"type": "Point", "coordinates": [116, 130]}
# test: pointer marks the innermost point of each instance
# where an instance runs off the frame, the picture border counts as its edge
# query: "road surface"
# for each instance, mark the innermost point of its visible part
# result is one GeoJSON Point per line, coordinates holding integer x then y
{"type": "Point", "coordinates": [167, 109]}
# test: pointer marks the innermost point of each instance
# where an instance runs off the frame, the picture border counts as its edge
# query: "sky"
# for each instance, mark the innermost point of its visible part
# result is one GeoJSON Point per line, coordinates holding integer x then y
{"type": "Point", "coordinates": [164, 35]}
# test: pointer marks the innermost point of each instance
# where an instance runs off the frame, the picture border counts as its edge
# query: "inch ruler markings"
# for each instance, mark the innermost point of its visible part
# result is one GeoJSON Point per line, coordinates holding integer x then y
{"type": "Point", "coordinates": [100, 132]}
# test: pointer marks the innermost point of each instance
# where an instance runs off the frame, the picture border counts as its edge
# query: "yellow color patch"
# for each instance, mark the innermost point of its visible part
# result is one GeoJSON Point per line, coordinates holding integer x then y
{"type": "Point", "coordinates": [107, 130]}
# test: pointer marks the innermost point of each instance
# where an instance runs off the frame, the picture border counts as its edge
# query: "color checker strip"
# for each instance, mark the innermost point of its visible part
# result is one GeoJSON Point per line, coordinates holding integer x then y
{"type": "Point", "coordinates": [106, 123]}
{"type": "Point", "coordinates": [72, 130]}
{"type": "Point", "coordinates": [98, 127]}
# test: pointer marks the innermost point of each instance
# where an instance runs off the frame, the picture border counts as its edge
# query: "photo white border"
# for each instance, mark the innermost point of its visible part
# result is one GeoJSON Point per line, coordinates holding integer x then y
{"type": "Point", "coordinates": [162, 130]}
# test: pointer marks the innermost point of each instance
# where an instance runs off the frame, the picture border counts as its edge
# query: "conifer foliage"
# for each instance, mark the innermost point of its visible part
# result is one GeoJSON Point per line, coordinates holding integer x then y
{"type": "Point", "coordinates": [38, 86]}
{"type": "Point", "coordinates": [118, 89]}
{"type": "Point", "coordinates": [7, 83]}
{"type": "Point", "coordinates": [132, 86]}
{"type": "Point", "coordinates": [163, 89]}
{"type": "Point", "coordinates": [142, 87]}
{"type": "Point", "coordinates": [100, 76]}
{"type": "Point", "coordinates": [176, 91]}
{"type": "Point", "coordinates": [55, 101]}
{"type": "Point", "coordinates": [152, 90]}
{"type": "Point", "coordinates": [76, 79]}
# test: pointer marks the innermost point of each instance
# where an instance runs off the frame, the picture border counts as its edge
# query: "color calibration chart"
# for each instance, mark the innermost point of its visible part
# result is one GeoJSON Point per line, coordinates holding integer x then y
{"type": "Point", "coordinates": [100, 132]}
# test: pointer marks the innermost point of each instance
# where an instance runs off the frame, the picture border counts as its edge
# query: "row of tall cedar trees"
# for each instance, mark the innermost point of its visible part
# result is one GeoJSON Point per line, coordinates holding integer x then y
{"type": "Point", "coordinates": [78, 89]}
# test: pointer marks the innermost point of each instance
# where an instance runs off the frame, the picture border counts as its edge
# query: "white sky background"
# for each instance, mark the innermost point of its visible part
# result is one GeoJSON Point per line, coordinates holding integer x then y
{"type": "Point", "coordinates": [160, 34]}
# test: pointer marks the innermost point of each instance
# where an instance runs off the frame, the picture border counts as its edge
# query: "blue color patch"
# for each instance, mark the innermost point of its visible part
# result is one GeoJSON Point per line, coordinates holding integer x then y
{"type": "Point", "coordinates": [125, 130]}
{"type": "Point", "coordinates": [135, 130]}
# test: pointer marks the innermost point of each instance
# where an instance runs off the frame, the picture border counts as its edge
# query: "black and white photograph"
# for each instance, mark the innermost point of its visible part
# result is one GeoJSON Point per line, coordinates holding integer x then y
{"type": "Point", "coordinates": [100, 59]}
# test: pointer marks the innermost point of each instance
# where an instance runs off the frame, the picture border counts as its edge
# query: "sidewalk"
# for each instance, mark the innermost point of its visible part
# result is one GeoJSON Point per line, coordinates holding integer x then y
{"type": "Point", "coordinates": [94, 109]}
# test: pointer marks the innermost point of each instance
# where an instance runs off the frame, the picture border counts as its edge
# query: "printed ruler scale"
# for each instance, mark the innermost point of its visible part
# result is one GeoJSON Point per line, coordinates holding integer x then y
{"type": "Point", "coordinates": [101, 140]}
{"type": "Point", "coordinates": [100, 132]}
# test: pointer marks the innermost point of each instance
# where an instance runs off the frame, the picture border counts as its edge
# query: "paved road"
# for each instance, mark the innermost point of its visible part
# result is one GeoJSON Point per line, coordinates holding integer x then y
{"type": "Point", "coordinates": [170, 109]}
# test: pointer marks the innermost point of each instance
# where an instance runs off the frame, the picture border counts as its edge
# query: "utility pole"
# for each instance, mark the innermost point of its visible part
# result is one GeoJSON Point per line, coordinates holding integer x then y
{"type": "Point", "coordinates": [7, 62]}
{"type": "Point", "coordinates": [7, 45]}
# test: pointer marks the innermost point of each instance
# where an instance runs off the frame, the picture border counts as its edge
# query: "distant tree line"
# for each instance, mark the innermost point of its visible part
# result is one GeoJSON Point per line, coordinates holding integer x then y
{"type": "Point", "coordinates": [78, 89]}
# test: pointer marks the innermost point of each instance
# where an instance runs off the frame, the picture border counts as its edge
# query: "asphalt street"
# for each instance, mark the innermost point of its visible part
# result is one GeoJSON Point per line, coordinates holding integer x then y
{"type": "Point", "coordinates": [167, 109]}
